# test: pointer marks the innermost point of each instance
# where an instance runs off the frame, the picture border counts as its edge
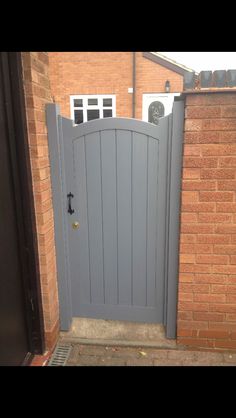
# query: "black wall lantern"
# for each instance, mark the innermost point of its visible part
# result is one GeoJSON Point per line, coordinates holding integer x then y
{"type": "Point", "coordinates": [167, 86]}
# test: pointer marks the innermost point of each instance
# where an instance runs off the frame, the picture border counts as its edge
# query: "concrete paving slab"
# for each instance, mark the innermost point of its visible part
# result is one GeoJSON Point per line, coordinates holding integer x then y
{"type": "Point", "coordinates": [99, 331]}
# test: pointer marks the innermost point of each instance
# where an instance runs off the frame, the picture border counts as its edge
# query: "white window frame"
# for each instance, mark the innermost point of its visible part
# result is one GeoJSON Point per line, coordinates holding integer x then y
{"type": "Point", "coordinates": [86, 107]}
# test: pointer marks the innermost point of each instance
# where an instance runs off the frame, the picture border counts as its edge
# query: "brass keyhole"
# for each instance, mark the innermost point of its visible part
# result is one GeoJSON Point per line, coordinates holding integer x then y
{"type": "Point", "coordinates": [75, 225]}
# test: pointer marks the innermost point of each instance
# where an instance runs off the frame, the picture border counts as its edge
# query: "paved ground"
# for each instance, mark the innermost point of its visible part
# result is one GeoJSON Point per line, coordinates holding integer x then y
{"type": "Point", "coordinates": [98, 355]}
{"type": "Point", "coordinates": [97, 342]}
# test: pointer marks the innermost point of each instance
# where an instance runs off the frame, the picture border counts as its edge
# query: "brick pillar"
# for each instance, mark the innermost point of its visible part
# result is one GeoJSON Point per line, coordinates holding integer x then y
{"type": "Point", "coordinates": [37, 94]}
{"type": "Point", "coordinates": [207, 278]}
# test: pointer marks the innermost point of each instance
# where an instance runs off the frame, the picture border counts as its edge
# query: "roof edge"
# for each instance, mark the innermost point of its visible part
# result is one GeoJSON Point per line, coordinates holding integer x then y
{"type": "Point", "coordinates": [168, 63]}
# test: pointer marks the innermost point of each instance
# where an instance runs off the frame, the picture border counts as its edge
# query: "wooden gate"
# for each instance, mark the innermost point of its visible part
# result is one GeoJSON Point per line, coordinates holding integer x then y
{"type": "Point", "coordinates": [116, 186]}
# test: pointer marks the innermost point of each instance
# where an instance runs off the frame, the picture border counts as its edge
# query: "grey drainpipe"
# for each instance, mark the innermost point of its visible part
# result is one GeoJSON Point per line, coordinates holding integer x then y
{"type": "Point", "coordinates": [134, 81]}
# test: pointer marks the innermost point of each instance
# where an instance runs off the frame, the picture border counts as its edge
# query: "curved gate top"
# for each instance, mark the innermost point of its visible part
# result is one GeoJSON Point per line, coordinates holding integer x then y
{"type": "Point", "coordinates": [116, 186]}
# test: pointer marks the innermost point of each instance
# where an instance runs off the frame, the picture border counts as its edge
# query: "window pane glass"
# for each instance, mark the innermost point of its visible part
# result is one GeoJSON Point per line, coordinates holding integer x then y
{"type": "Point", "coordinates": [93, 114]}
{"type": "Point", "coordinates": [92, 102]}
{"type": "Point", "coordinates": [107, 102]}
{"type": "Point", "coordinates": [78, 102]}
{"type": "Point", "coordinates": [107, 113]}
{"type": "Point", "coordinates": [78, 116]}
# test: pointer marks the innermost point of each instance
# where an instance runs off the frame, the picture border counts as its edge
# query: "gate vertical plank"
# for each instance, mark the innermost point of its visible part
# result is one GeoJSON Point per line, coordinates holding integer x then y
{"type": "Point", "coordinates": [123, 140]}
{"type": "Point", "coordinates": [108, 160]}
{"type": "Point", "coordinates": [139, 197]}
{"type": "Point", "coordinates": [93, 171]}
{"type": "Point", "coordinates": [161, 214]}
{"type": "Point", "coordinates": [151, 220]}
{"type": "Point", "coordinates": [82, 288]}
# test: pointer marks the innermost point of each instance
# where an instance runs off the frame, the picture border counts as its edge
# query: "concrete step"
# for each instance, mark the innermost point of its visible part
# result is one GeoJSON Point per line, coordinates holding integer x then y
{"type": "Point", "coordinates": [123, 333]}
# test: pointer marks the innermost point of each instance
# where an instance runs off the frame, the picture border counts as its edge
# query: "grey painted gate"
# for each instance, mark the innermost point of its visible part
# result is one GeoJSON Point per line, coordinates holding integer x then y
{"type": "Point", "coordinates": [116, 186]}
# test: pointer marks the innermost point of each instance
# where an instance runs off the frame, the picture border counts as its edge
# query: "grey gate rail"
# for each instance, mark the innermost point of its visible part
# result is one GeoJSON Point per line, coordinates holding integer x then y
{"type": "Point", "coordinates": [116, 187]}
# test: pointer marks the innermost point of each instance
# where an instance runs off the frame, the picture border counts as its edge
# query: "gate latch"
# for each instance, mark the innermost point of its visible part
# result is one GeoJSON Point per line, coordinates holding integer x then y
{"type": "Point", "coordinates": [69, 197]}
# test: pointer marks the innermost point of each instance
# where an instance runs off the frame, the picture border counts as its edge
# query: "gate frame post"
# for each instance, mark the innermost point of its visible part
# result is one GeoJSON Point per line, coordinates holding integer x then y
{"type": "Point", "coordinates": [176, 150]}
{"type": "Point", "coordinates": [56, 153]}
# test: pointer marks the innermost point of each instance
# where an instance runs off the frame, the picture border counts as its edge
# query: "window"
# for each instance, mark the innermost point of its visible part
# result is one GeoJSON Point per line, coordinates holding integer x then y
{"type": "Point", "coordinates": [88, 107]}
{"type": "Point", "coordinates": [156, 110]}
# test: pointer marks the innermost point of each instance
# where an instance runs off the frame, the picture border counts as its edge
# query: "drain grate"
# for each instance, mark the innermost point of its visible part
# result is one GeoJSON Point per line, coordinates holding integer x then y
{"type": "Point", "coordinates": [60, 355]}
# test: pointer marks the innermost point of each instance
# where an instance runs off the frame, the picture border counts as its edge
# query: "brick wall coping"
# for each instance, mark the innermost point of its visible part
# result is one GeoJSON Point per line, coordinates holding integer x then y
{"type": "Point", "coordinates": [210, 80]}
{"type": "Point", "coordinates": [210, 90]}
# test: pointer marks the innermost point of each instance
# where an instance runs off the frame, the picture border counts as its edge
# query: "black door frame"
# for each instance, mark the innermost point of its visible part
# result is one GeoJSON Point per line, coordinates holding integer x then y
{"type": "Point", "coordinates": [20, 164]}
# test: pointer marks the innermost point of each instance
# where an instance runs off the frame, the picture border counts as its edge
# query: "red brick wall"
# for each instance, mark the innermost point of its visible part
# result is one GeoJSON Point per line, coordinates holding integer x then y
{"type": "Point", "coordinates": [207, 278]}
{"type": "Point", "coordinates": [37, 94]}
{"type": "Point", "coordinates": [91, 73]}
{"type": "Point", "coordinates": [107, 73]}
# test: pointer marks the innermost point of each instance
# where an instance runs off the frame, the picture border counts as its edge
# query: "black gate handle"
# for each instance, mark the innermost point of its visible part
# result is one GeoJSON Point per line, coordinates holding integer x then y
{"type": "Point", "coordinates": [70, 210]}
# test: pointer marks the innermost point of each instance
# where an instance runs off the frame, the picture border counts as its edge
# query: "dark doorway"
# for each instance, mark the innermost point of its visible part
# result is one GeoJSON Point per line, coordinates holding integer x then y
{"type": "Point", "coordinates": [20, 305]}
